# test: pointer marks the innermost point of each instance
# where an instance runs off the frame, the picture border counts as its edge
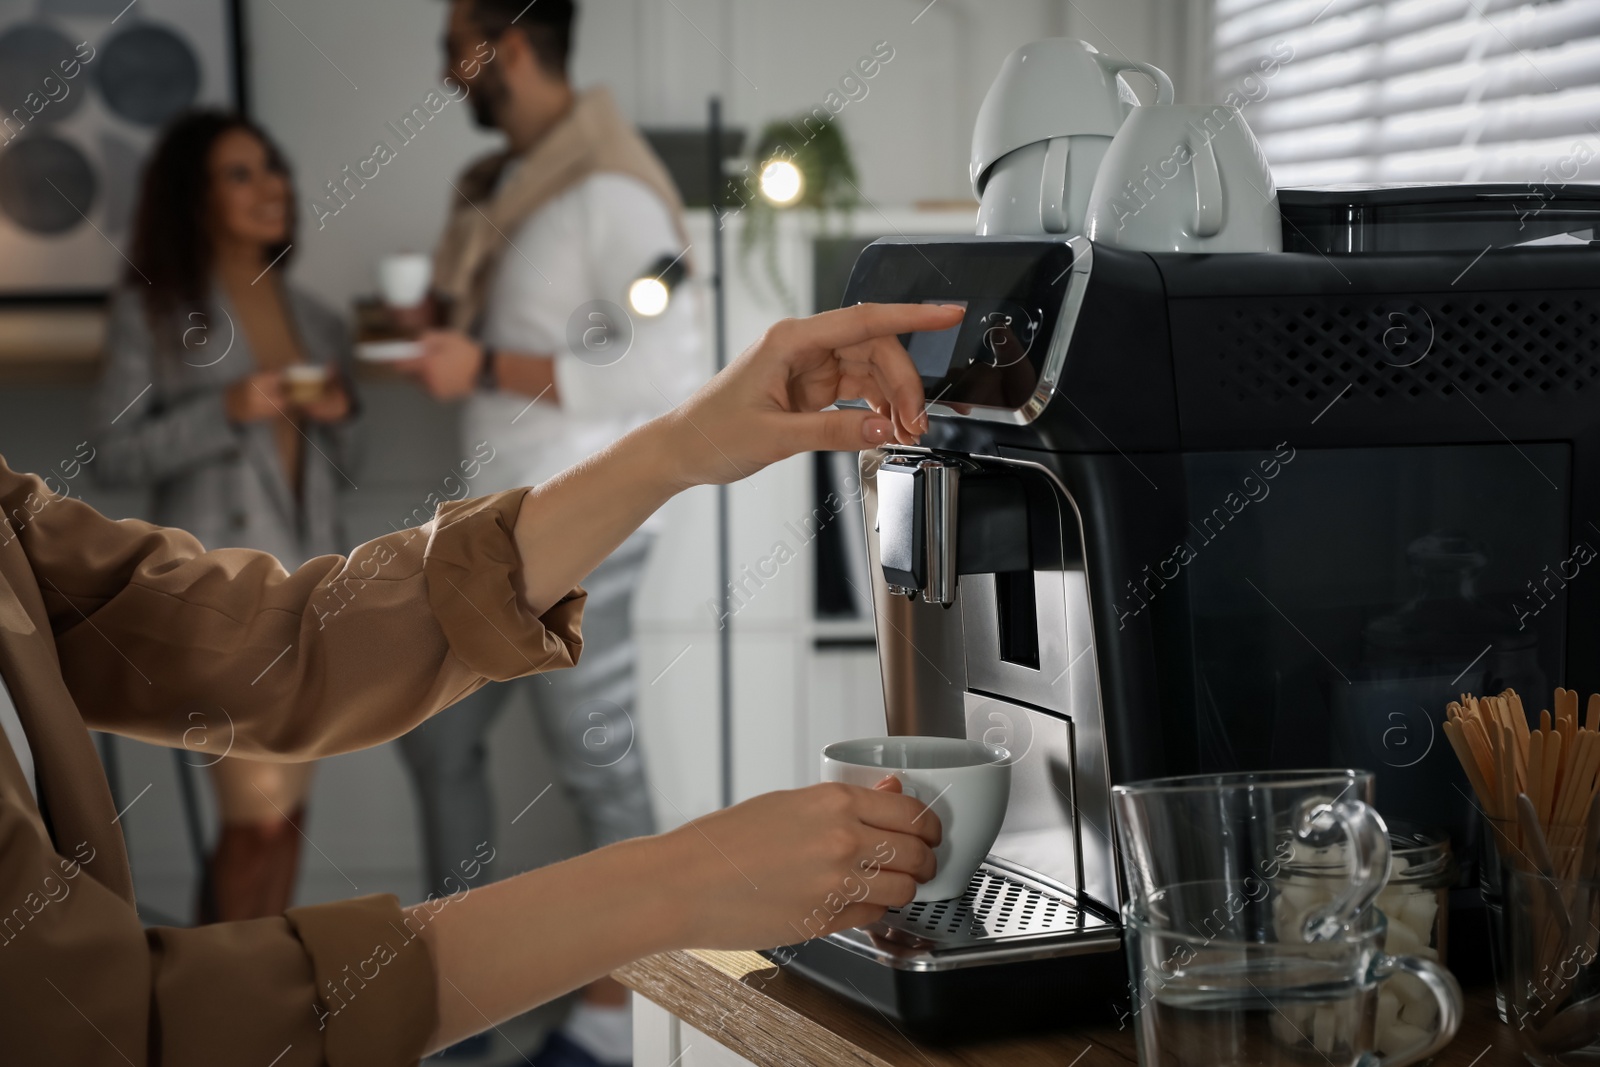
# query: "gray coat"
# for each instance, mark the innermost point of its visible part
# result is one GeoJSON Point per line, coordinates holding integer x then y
{"type": "Point", "coordinates": [159, 422]}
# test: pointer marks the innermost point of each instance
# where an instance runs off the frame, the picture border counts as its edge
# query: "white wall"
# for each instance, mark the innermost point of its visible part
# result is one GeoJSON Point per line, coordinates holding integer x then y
{"type": "Point", "coordinates": [1172, 34]}
{"type": "Point", "coordinates": [389, 50]}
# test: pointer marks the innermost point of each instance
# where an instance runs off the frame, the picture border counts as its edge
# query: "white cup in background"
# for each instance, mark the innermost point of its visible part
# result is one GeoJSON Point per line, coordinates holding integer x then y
{"type": "Point", "coordinates": [1182, 178]}
{"type": "Point", "coordinates": [966, 783]}
{"type": "Point", "coordinates": [404, 279]}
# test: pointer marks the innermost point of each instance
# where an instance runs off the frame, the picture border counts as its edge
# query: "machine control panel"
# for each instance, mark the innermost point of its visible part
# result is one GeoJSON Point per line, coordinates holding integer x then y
{"type": "Point", "coordinates": [1013, 290]}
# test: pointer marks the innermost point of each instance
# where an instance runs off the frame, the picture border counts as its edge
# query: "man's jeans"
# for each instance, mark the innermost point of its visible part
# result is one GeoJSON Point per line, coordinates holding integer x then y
{"type": "Point", "coordinates": [585, 716]}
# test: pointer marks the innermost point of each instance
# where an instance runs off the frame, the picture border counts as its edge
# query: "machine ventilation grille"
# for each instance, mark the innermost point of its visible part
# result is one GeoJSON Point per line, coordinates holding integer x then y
{"type": "Point", "coordinates": [1480, 345]}
{"type": "Point", "coordinates": [995, 906]}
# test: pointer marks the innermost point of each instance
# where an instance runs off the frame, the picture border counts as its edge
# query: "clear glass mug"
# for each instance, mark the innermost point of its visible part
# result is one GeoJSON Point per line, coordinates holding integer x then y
{"type": "Point", "coordinates": [1243, 828]}
{"type": "Point", "coordinates": [1215, 985]}
{"type": "Point", "coordinates": [1415, 906]}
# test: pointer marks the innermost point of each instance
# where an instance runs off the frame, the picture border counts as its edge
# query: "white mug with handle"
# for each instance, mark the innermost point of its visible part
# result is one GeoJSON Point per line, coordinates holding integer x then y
{"type": "Point", "coordinates": [965, 783]}
{"type": "Point", "coordinates": [1185, 179]}
{"type": "Point", "coordinates": [1042, 130]}
{"type": "Point", "coordinates": [404, 278]}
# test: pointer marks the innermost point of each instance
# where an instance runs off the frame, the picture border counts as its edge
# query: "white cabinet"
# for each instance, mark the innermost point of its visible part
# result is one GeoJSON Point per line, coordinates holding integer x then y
{"type": "Point", "coordinates": [661, 1039]}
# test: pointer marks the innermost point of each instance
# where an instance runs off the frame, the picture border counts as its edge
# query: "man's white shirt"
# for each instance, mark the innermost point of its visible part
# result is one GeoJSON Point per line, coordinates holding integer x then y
{"type": "Point", "coordinates": [590, 243]}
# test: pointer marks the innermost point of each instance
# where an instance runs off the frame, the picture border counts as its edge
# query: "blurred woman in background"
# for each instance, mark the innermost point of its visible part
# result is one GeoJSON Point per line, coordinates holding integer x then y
{"type": "Point", "coordinates": [225, 392]}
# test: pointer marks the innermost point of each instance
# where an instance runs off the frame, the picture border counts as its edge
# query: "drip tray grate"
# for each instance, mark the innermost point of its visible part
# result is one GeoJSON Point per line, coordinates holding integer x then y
{"type": "Point", "coordinates": [997, 906]}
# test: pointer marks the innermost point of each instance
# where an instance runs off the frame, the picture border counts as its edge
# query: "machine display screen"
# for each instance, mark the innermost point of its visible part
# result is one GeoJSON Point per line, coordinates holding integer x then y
{"type": "Point", "coordinates": [1012, 291]}
{"type": "Point", "coordinates": [933, 352]}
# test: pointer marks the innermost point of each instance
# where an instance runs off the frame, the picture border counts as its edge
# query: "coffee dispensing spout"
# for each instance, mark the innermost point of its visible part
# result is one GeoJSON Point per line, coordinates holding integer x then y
{"type": "Point", "coordinates": [917, 520]}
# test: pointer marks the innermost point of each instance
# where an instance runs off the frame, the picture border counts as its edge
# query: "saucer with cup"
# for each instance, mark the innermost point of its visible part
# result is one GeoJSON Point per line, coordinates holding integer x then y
{"type": "Point", "coordinates": [389, 327]}
{"type": "Point", "coordinates": [306, 383]}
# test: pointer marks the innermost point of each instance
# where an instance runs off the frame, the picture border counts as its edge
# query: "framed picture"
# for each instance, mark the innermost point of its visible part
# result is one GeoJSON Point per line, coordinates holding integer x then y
{"type": "Point", "coordinates": [85, 87]}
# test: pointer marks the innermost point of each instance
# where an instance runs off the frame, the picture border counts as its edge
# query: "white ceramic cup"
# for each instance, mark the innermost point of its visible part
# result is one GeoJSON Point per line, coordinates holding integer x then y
{"type": "Point", "coordinates": [1182, 178]}
{"type": "Point", "coordinates": [1046, 122]}
{"type": "Point", "coordinates": [1042, 187]}
{"type": "Point", "coordinates": [966, 783]}
{"type": "Point", "coordinates": [404, 279]}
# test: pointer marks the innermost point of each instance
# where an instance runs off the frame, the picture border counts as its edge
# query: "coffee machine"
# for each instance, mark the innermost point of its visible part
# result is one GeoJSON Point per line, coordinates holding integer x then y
{"type": "Point", "coordinates": [1193, 513]}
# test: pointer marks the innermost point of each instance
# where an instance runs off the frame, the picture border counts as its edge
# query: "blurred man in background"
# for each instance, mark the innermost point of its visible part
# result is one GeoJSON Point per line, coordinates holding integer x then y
{"type": "Point", "coordinates": [545, 239]}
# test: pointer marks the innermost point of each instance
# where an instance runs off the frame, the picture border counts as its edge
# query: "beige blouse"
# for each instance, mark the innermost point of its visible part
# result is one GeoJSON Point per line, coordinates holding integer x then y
{"type": "Point", "coordinates": [135, 629]}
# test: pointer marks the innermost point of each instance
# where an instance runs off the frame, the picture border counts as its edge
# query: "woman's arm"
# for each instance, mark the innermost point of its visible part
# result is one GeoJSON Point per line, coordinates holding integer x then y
{"type": "Point", "coordinates": [83, 981]}
{"type": "Point", "coordinates": [160, 640]}
{"type": "Point", "coordinates": [776, 870]}
{"type": "Point", "coordinates": [350, 652]}
{"type": "Point", "coordinates": [151, 631]}
{"type": "Point", "coordinates": [764, 407]}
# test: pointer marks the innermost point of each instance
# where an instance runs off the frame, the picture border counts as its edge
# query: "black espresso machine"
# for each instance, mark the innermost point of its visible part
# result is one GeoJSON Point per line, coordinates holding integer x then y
{"type": "Point", "coordinates": [1201, 513]}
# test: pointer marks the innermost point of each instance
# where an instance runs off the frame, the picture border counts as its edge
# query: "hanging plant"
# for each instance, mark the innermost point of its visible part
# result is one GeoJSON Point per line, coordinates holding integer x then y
{"type": "Point", "coordinates": [826, 176]}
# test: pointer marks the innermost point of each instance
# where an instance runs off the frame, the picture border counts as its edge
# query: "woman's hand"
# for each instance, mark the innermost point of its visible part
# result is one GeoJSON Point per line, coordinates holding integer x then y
{"type": "Point", "coordinates": [256, 398]}
{"type": "Point", "coordinates": [764, 407]}
{"type": "Point", "coordinates": [416, 318]}
{"type": "Point", "coordinates": [768, 404]}
{"type": "Point", "coordinates": [786, 867]}
{"type": "Point", "coordinates": [777, 869]}
{"type": "Point", "coordinates": [448, 365]}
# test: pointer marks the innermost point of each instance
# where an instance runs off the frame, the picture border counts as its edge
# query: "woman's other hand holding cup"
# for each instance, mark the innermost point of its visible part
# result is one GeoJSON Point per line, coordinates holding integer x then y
{"type": "Point", "coordinates": [786, 867]}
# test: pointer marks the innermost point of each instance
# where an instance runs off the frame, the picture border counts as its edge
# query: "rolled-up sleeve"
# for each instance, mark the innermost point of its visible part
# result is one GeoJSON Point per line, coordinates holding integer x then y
{"type": "Point", "coordinates": [82, 982]}
{"type": "Point", "coordinates": [158, 638]}
{"type": "Point", "coordinates": [471, 569]}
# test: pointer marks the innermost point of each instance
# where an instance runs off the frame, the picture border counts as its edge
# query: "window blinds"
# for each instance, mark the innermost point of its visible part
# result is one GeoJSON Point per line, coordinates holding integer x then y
{"type": "Point", "coordinates": [1415, 90]}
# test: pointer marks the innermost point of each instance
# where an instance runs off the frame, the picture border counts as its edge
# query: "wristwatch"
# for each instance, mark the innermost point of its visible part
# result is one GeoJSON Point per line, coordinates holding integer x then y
{"type": "Point", "coordinates": [486, 378]}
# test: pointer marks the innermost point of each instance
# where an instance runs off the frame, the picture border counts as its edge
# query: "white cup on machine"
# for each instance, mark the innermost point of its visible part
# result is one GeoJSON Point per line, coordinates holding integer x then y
{"type": "Point", "coordinates": [1180, 178]}
{"type": "Point", "coordinates": [1044, 126]}
{"type": "Point", "coordinates": [965, 783]}
{"type": "Point", "coordinates": [403, 279]}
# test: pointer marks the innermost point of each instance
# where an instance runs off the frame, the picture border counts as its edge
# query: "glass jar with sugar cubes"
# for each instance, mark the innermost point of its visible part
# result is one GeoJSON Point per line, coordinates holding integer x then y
{"type": "Point", "coordinates": [1415, 903]}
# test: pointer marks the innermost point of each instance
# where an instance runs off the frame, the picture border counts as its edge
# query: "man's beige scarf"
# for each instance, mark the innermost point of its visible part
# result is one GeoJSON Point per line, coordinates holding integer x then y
{"type": "Point", "coordinates": [593, 138]}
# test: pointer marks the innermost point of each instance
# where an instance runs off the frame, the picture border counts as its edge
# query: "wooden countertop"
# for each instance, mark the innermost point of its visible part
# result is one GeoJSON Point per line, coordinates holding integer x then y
{"type": "Point", "coordinates": [782, 1020]}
